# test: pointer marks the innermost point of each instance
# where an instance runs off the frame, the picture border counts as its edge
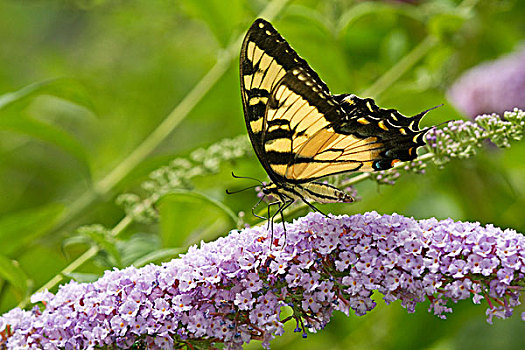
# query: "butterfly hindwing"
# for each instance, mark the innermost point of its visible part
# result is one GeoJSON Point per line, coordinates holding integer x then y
{"type": "Point", "coordinates": [399, 135]}
{"type": "Point", "coordinates": [368, 138]}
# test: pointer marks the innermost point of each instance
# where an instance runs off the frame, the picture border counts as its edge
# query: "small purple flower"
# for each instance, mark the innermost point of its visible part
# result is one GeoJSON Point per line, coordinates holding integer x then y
{"type": "Point", "coordinates": [474, 263]}
{"type": "Point", "coordinates": [310, 303]}
{"type": "Point", "coordinates": [346, 258]}
{"type": "Point", "coordinates": [244, 300]}
{"type": "Point", "coordinates": [310, 281]}
{"type": "Point", "coordinates": [128, 310]}
{"type": "Point", "coordinates": [458, 268]}
{"type": "Point", "coordinates": [366, 265]}
{"type": "Point", "coordinates": [412, 247]}
{"type": "Point", "coordinates": [484, 246]}
{"type": "Point", "coordinates": [489, 265]}
{"type": "Point", "coordinates": [506, 275]}
{"type": "Point", "coordinates": [459, 289]}
{"type": "Point", "coordinates": [119, 326]}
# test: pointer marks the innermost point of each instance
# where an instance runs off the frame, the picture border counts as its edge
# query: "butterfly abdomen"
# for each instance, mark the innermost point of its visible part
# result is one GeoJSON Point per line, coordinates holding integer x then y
{"type": "Point", "coordinates": [312, 191]}
{"type": "Point", "coordinates": [324, 193]}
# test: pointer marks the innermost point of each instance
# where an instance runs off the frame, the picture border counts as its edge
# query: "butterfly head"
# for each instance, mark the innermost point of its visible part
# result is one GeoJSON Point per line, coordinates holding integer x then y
{"type": "Point", "coordinates": [269, 188]}
{"type": "Point", "coordinates": [270, 191]}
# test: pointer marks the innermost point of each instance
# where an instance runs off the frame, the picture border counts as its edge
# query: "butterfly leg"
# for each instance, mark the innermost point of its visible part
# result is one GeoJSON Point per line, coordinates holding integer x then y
{"type": "Point", "coordinates": [270, 218]}
{"type": "Point", "coordinates": [255, 206]}
{"type": "Point", "coordinates": [282, 208]}
{"type": "Point", "coordinates": [285, 203]}
{"type": "Point", "coordinates": [269, 211]}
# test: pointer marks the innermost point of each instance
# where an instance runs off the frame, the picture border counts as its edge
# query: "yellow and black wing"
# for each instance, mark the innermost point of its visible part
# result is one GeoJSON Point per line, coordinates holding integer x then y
{"type": "Point", "coordinates": [300, 132]}
{"type": "Point", "coordinates": [265, 59]}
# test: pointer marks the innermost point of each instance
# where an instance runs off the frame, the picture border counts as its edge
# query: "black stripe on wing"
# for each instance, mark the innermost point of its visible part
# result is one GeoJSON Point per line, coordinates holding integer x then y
{"type": "Point", "coordinates": [266, 37]}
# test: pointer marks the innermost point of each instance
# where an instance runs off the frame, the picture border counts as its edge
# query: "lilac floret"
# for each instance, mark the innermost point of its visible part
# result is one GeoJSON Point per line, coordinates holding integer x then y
{"type": "Point", "coordinates": [232, 291]}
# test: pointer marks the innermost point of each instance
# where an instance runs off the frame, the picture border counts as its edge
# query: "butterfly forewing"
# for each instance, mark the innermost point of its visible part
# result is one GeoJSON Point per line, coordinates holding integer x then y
{"type": "Point", "coordinates": [265, 58]}
{"type": "Point", "coordinates": [298, 108]}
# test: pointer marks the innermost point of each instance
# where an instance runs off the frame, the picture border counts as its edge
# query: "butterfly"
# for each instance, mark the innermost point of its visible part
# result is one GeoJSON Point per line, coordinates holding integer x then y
{"type": "Point", "coordinates": [301, 132]}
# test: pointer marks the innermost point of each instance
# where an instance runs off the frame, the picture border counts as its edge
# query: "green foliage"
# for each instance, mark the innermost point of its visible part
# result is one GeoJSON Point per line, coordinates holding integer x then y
{"type": "Point", "coordinates": [84, 86]}
{"type": "Point", "coordinates": [27, 226]}
{"type": "Point", "coordinates": [11, 273]}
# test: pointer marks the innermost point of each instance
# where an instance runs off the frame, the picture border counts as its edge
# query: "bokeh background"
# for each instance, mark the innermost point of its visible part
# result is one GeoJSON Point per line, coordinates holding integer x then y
{"type": "Point", "coordinates": [85, 84]}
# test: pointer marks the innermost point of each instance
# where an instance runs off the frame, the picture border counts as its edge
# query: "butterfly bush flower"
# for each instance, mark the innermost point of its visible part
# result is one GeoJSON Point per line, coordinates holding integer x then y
{"type": "Point", "coordinates": [461, 139]}
{"type": "Point", "coordinates": [491, 87]}
{"type": "Point", "coordinates": [231, 291]}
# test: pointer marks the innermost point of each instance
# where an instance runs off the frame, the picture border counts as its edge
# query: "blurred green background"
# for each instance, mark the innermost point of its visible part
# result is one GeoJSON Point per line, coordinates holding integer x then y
{"type": "Point", "coordinates": [84, 83]}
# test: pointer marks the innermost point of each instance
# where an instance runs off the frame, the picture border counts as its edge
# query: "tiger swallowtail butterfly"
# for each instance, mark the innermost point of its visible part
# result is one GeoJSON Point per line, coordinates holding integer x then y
{"type": "Point", "coordinates": [301, 132]}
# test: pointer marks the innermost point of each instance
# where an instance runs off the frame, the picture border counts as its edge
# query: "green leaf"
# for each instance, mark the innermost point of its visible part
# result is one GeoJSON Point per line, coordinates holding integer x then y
{"type": "Point", "coordinates": [22, 228]}
{"type": "Point", "coordinates": [11, 272]}
{"type": "Point", "coordinates": [48, 133]}
{"type": "Point", "coordinates": [138, 247]}
{"type": "Point", "coordinates": [67, 89]}
{"type": "Point", "coordinates": [107, 243]}
{"type": "Point", "coordinates": [98, 235]}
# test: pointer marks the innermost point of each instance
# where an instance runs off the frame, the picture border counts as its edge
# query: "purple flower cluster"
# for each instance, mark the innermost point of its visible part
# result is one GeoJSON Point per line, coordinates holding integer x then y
{"type": "Point", "coordinates": [232, 290]}
{"type": "Point", "coordinates": [491, 87]}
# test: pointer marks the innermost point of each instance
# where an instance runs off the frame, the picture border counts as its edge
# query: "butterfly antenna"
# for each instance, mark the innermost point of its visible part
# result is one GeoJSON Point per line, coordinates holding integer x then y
{"type": "Point", "coordinates": [247, 177]}
{"type": "Point", "coordinates": [244, 189]}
